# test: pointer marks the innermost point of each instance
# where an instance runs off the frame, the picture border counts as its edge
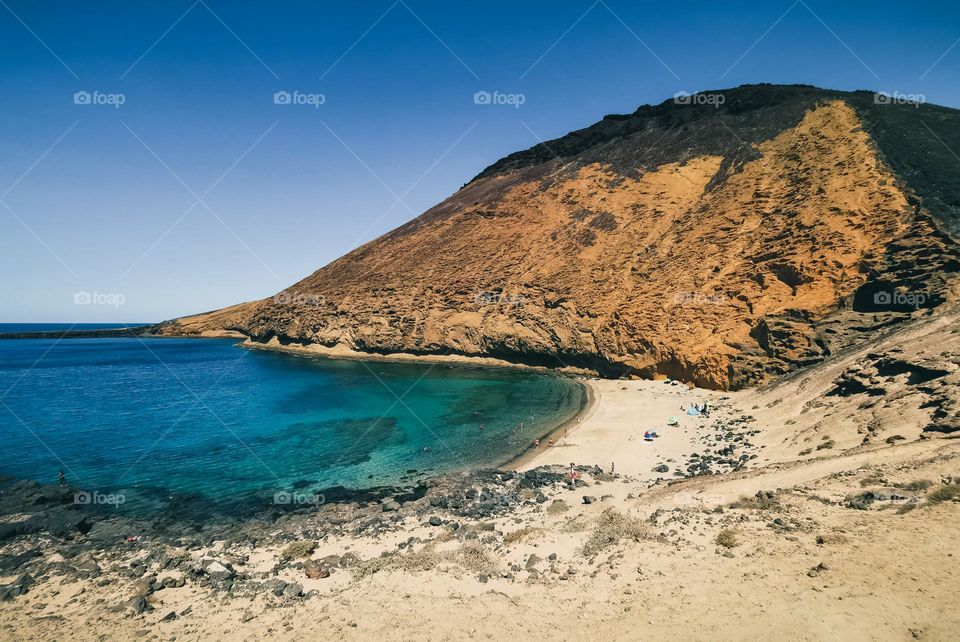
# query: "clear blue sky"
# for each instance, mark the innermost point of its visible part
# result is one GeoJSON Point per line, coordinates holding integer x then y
{"type": "Point", "coordinates": [91, 197]}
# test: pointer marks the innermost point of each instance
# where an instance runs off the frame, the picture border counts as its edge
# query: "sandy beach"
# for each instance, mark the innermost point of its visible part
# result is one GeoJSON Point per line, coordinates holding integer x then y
{"type": "Point", "coordinates": [609, 432]}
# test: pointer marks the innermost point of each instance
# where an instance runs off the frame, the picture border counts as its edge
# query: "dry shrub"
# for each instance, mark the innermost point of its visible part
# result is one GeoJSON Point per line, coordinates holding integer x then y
{"type": "Point", "coordinates": [576, 525]}
{"type": "Point", "coordinates": [906, 508]}
{"type": "Point", "coordinates": [611, 527]}
{"type": "Point", "coordinates": [472, 556]}
{"type": "Point", "coordinates": [949, 493]}
{"type": "Point", "coordinates": [831, 539]}
{"type": "Point", "coordinates": [763, 500]}
{"type": "Point", "coordinates": [558, 506]}
{"type": "Point", "coordinates": [298, 550]}
{"type": "Point", "coordinates": [875, 479]}
{"type": "Point", "coordinates": [727, 538]}
{"type": "Point", "coordinates": [446, 535]}
{"type": "Point", "coordinates": [422, 559]}
{"type": "Point", "coordinates": [521, 534]}
{"type": "Point", "coordinates": [916, 484]}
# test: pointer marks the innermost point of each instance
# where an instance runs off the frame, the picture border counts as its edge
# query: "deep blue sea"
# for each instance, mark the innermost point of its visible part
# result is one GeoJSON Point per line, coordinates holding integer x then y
{"type": "Point", "coordinates": [155, 419]}
{"type": "Point", "coordinates": [6, 328]}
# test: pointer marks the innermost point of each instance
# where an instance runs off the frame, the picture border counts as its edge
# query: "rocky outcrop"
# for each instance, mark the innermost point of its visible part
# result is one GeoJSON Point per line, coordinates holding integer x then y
{"type": "Point", "coordinates": [717, 245]}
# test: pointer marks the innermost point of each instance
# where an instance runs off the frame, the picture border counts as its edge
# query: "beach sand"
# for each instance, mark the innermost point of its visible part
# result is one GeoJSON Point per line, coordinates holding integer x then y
{"type": "Point", "coordinates": [609, 432]}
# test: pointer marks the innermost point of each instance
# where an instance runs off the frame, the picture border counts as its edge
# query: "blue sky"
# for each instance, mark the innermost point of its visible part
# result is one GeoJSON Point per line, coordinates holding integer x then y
{"type": "Point", "coordinates": [198, 191]}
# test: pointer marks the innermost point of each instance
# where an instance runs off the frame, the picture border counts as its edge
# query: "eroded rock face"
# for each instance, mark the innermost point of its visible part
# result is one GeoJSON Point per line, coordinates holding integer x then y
{"type": "Point", "coordinates": [717, 246]}
{"type": "Point", "coordinates": [931, 377]}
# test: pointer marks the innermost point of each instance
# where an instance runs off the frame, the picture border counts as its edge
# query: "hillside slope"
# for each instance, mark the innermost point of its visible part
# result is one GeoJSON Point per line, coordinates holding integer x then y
{"type": "Point", "coordinates": [721, 245]}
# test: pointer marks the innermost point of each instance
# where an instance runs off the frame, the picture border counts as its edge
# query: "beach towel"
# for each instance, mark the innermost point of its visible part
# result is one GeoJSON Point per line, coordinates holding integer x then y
{"type": "Point", "coordinates": [693, 412]}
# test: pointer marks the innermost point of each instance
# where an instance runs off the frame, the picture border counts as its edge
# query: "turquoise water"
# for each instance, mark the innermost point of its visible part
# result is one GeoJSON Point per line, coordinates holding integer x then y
{"type": "Point", "coordinates": [155, 419]}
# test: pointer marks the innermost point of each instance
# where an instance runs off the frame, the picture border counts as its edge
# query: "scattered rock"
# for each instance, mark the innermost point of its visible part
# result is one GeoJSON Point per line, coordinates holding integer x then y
{"type": "Point", "coordinates": [16, 588]}
{"type": "Point", "coordinates": [315, 569]}
{"type": "Point", "coordinates": [139, 605]}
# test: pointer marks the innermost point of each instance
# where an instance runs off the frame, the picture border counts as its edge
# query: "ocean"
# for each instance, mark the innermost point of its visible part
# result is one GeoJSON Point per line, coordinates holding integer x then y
{"type": "Point", "coordinates": [7, 328]}
{"type": "Point", "coordinates": [141, 424]}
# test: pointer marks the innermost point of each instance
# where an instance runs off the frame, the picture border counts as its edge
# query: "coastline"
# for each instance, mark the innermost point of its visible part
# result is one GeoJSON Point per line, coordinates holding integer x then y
{"type": "Point", "coordinates": [722, 515]}
{"type": "Point", "coordinates": [531, 452]}
{"type": "Point", "coordinates": [522, 458]}
{"type": "Point", "coordinates": [316, 350]}
{"type": "Point", "coordinates": [611, 432]}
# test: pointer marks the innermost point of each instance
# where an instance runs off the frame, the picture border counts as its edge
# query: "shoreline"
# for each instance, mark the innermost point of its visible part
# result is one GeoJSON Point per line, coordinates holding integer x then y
{"type": "Point", "coordinates": [525, 456]}
{"type": "Point", "coordinates": [403, 485]}
{"type": "Point", "coordinates": [346, 354]}
{"type": "Point", "coordinates": [587, 407]}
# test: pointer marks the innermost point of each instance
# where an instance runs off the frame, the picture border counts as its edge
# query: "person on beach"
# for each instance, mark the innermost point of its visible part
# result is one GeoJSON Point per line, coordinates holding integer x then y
{"type": "Point", "coordinates": [62, 478]}
{"type": "Point", "coordinates": [536, 443]}
{"type": "Point", "coordinates": [572, 472]}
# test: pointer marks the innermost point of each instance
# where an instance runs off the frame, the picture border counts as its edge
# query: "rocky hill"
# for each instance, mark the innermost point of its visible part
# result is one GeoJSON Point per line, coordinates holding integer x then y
{"type": "Point", "coordinates": [722, 239]}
